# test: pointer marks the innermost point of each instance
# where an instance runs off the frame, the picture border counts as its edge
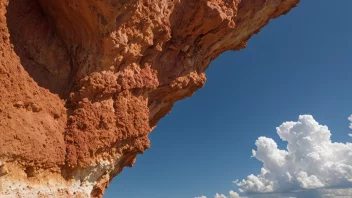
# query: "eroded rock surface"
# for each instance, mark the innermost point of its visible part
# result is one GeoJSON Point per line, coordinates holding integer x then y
{"type": "Point", "coordinates": [84, 82]}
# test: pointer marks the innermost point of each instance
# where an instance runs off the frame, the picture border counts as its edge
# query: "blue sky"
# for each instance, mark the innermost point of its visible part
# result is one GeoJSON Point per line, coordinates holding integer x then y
{"type": "Point", "coordinates": [298, 64]}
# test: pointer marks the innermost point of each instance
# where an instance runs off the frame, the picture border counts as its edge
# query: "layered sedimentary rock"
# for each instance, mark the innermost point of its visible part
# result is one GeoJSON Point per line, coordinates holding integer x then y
{"type": "Point", "coordinates": [84, 82]}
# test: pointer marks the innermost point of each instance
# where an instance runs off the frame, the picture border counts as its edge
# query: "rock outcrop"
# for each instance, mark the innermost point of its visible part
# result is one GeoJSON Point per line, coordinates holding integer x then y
{"type": "Point", "coordinates": [84, 82]}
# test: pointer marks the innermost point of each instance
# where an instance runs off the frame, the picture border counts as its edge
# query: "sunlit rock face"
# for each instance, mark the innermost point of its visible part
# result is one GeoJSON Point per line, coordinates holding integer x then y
{"type": "Point", "coordinates": [84, 82]}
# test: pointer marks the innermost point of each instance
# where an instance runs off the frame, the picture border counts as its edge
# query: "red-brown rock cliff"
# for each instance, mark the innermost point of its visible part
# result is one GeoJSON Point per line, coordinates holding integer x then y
{"type": "Point", "coordinates": [84, 82]}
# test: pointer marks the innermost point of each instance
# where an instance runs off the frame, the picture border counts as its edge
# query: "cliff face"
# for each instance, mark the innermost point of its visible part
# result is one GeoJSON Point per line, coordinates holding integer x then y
{"type": "Point", "coordinates": [84, 82]}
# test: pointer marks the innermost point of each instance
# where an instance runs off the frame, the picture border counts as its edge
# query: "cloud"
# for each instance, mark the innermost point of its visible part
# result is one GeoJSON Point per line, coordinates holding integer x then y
{"type": "Point", "coordinates": [219, 196]}
{"type": "Point", "coordinates": [336, 193]}
{"type": "Point", "coordinates": [350, 119]}
{"type": "Point", "coordinates": [310, 166]}
{"type": "Point", "coordinates": [232, 194]}
{"type": "Point", "coordinates": [310, 162]}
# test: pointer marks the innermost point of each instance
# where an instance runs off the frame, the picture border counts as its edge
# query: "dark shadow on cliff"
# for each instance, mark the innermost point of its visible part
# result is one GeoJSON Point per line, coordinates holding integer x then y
{"type": "Point", "coordinates": [41, 51]}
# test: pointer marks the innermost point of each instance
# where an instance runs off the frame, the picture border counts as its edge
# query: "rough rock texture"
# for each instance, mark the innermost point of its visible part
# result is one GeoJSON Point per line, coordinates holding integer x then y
{"type": "Point", "coordinates": [84, 82]}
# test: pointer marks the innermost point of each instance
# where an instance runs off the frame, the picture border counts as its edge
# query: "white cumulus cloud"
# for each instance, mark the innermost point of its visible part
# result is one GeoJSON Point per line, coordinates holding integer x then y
{"type": "Point", "coordinates": [350, 119]}
{"type": "Point", "coordinates": [310, 166]}
{"type": "Point", "coordinates": [310, 161]}
{"type": "Point", "coordinates": [232, 194]}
